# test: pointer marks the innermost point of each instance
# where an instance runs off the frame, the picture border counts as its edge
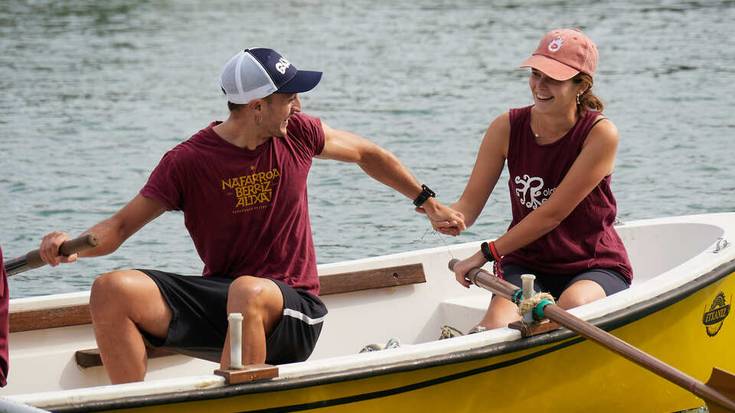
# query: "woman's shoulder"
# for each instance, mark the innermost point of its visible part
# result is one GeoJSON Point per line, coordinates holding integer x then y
{"type": "Point", "coordinates": [516, 114]}
{"type": "Point", "coordinates": [603, 131]}
{"type": "Point", "coordinates": [600, 122]}
{"type": "Point", "coordinates": [501, 123]}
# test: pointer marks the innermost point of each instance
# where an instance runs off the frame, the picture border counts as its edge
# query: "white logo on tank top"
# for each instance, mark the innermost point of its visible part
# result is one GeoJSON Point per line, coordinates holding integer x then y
{"type": "Point", "coordinates": [531, 191]}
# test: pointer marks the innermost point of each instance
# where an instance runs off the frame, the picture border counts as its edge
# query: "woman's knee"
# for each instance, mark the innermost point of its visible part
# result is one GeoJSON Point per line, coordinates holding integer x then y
{"type": "Point", "coordinates": [580, 293]}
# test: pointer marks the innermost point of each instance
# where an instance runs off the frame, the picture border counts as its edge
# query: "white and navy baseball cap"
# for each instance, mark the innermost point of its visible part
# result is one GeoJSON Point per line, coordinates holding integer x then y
{"type": "Point", "coordinates": [258, 72]}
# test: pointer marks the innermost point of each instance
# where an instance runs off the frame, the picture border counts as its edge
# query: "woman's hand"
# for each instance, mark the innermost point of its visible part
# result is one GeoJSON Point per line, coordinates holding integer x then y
{"type": "Point", "coordinates": [461, 268]}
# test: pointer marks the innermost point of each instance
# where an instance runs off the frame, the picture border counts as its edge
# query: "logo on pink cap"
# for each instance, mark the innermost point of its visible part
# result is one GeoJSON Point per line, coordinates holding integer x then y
{"type": "Point", "coordinates": [555, 44]}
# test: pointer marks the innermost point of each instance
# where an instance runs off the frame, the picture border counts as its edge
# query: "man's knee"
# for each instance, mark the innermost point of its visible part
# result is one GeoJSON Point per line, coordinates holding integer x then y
{"type": "Point", "coordinates": [256, 297]}
{"type": "Point", "coordinates": [115, 290]}
{"type": "Point", "coordinates": [247, 291]}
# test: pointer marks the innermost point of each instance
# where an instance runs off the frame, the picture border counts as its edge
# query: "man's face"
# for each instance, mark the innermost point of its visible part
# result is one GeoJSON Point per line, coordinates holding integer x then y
{"type": "Point", "coordinates": [276, 111]}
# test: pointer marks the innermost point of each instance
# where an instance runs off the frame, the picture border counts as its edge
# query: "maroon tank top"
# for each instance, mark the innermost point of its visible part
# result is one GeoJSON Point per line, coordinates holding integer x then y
{"type": "Point", "coordinates": [586, 238]}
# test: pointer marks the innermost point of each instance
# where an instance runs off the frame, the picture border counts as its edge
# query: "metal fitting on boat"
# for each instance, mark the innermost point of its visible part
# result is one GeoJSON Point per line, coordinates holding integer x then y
{"type": "Point", "coordinates": [720, 245]}
{"type": "Point", "coordinates": [527, 282]}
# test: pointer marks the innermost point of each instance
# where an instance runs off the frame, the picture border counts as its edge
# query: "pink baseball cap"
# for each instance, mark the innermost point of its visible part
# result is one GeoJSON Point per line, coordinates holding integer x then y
{"type": "Point", "coordinates": [562, 53]}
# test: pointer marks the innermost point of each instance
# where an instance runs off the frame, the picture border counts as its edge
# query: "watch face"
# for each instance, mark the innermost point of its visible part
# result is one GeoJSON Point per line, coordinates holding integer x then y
{"type": "Point", "coordinates": [426, 190]}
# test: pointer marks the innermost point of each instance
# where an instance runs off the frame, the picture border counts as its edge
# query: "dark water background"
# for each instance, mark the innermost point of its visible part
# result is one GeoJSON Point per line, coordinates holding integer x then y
{"type": "Point", "coordinates": [93, 93]}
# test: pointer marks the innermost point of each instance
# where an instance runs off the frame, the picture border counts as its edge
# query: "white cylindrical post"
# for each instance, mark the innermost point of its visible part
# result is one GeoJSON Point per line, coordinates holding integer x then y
{"type": "Point", "coordinates": [235, 326]}
{"type": "Point", "coordinates": [527, 280]}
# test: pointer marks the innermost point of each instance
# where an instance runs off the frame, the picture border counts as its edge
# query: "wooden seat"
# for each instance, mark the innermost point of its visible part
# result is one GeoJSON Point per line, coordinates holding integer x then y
{"type": "Point", "coordinates": [331, 284]}
{"type": "Point", "coordinates": [92, 358]}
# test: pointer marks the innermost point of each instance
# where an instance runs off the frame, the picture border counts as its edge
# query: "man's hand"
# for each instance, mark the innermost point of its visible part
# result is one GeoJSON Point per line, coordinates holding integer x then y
{"type": "Point", "coordinates": [443, 219]}
{"type": "Point", "coordinates": [49, 249]}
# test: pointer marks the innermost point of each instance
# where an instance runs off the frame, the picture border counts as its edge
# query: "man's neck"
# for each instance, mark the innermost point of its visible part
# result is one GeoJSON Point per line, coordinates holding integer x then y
{"type": "Point", "coordinates": [241, 133]}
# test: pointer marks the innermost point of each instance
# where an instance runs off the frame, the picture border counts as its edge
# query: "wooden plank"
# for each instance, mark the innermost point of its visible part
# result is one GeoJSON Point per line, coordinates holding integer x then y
{"type": "Point", "coordinates": [252, 372]}
{"type": "Point", "coordinates": [533, 329]}
{"type": "Point", "coordinates": [91, 357]}
{"type": "Point", "coordinates": [330, 284]}
{"type": "Point", "coordinates": [54, 317]}
{"type": "Point", "coordinates": [371, 279]}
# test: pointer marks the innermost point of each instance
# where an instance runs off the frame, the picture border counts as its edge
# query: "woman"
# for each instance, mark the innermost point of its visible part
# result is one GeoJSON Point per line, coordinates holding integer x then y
{"type": "Point", "coordinates": [560, 153]}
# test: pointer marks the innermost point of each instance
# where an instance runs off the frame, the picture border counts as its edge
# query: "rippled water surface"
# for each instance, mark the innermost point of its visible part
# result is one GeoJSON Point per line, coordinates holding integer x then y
{"type": "Point", "coordinates": [93, 93]}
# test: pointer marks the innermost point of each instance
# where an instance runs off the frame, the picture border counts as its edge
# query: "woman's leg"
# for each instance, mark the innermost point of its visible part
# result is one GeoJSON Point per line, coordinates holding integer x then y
{"type": "Point", "coordinates": [500, 313]}
{"type": "Point", "coordinates": [590, 286]}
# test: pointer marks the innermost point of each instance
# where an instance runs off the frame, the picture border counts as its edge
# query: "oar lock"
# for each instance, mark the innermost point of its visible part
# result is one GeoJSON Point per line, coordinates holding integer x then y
{"type": "Point", "coordinates": [531, 304]}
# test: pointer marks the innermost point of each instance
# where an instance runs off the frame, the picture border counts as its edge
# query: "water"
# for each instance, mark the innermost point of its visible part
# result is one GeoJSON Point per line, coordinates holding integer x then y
{"type": "Point", "coordinates": [93, 93]}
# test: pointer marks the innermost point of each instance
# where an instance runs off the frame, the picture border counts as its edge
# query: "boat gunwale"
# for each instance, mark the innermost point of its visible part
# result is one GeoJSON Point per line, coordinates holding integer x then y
{"type": "Point", "coordinates": [562, 338]}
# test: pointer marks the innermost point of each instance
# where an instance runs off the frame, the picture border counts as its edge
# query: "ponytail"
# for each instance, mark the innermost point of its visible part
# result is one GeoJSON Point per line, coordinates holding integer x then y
{"type": "Point", "coordinates": [587, 100]}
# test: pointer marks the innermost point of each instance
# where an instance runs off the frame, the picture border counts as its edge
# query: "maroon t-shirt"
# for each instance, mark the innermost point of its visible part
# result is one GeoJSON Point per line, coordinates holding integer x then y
{"type": "Point", "coordinates": [246, 210]}
{"type": "Point", "coordinates": [4, 322]}
{"type": "Point", "coordinates": [586, 238]}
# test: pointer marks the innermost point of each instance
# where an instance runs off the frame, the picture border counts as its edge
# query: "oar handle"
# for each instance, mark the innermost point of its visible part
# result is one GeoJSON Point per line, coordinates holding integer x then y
{"type": "Point", "coordinates": [488, 281]}
{"type": "Point", "coordinates": [32, 259]}
{"type": "Point", "coordinates": [553, 312]}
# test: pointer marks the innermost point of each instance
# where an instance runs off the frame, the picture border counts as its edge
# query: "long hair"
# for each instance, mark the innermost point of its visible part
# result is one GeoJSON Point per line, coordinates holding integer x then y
{"type": "Point", "coordinates": [587, 100]}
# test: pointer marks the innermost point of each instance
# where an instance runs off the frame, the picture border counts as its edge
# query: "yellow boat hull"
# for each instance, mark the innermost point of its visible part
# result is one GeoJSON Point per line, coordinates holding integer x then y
{"type": "Point", "coordinates": [690, 329]}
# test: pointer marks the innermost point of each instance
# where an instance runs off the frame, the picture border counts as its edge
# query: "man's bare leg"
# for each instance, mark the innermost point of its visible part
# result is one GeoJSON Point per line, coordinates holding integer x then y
{"type": "Point", "coordinates": [261, 303]}
{"type": "Point", "coordinates": [120, 302]}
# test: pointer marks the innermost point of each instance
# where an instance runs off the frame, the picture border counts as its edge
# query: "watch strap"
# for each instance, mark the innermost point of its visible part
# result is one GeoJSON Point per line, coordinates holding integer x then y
{"type": "Point", "coordinates": [485, 248]}
{"type": "Point", "coordinates": [425, 194]}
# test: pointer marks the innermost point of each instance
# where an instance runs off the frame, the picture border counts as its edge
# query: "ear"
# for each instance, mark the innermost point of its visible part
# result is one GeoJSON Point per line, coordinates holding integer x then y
{"type": "Point", "coordinates": [256, 105]}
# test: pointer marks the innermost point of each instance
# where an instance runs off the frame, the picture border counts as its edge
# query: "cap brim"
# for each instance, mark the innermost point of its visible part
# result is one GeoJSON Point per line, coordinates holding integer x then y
{"type": "Point", "coordinates": [550, 67]}
{"type": "Point", "coordinates": [304, 81]}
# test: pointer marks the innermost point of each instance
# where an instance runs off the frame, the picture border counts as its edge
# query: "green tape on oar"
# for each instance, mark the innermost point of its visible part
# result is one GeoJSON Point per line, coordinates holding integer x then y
{"type": "Point", "coordinates": [538, 310]}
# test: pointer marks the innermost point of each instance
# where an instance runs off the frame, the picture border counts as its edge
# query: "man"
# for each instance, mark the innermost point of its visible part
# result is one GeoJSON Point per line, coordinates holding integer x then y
{"type": "Point", "coordinates": [241, 184]}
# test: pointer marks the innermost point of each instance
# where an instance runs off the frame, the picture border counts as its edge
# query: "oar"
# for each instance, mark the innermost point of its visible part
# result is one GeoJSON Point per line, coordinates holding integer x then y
{"type": "Point", "coordinates": [504, 289]}
{"type": "Point", "coordinates": [33, 258]}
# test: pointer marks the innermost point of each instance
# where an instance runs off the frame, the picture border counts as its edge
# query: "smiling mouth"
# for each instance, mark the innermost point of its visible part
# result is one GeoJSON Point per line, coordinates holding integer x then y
{"type": "Point", "coordinates": [544, 98]}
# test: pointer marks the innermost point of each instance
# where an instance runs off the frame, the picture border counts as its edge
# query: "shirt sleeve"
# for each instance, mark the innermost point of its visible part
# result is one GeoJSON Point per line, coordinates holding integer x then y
{"type": "Point", "coordinates": [307, 133]}
{"type": "Point", "coordinates": [3, 275]}
{"type": "Point", "coordinates": [164, 183]}
{"type": "Point", "coordinates": [4, 322]}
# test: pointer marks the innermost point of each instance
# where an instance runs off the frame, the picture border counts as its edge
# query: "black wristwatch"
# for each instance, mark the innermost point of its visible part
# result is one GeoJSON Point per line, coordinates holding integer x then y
{"type": "Point", "coordinates": [425, 194]}
{"type": "Point", "coordinates": [486, 252]}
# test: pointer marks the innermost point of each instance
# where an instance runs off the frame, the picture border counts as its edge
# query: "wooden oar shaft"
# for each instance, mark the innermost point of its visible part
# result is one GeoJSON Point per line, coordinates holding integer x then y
{"type": "Point", "coordinates": [553, 312]}
{"type": "Point", "coordinates": [33, 258]}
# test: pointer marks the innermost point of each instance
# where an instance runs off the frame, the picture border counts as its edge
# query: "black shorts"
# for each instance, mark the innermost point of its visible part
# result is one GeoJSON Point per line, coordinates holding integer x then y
{"type": "Point", "coordinates": [199, 318]}
{"type": "Point", "coordinates": [610, 280]}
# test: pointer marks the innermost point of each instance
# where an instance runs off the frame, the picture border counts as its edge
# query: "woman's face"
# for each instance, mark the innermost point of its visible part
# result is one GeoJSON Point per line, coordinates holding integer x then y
{"type": "Point", "coordinates": [551, 95]}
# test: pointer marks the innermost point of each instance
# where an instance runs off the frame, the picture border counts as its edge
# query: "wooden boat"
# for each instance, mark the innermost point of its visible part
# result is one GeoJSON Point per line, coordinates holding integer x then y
{"type": "Point", "coordinates": [677, 310]}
